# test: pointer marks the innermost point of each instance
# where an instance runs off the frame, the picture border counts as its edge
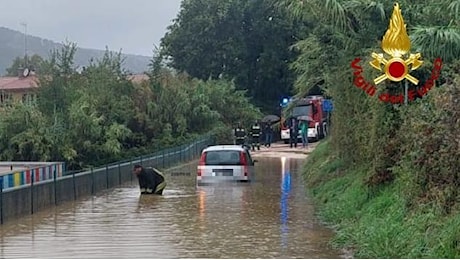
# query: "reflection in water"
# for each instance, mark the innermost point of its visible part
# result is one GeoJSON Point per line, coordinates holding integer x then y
{"type": "Point", "coordinates": [241, 220]}
{"type": "Point", "coordinates": [285, 189]}
{"type": "Point", "coordinates": [201, 205]}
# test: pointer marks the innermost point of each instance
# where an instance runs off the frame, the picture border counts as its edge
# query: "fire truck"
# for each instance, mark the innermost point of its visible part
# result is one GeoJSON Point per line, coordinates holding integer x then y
{"type": "Point", "coordinates": [309, 108]}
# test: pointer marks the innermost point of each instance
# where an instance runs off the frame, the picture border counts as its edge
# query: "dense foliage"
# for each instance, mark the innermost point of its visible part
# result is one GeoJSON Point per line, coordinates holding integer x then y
{"type": "Point", "coordinates": [418, 139]}
{"type": "Point", "coordinates": [377, 225]}
{"type": "Point", "coordinates": [99, 115]}
{"type": "Point", "coordinates": [397, 157]}
{"type": "Point", "coordinates": [240, 40]}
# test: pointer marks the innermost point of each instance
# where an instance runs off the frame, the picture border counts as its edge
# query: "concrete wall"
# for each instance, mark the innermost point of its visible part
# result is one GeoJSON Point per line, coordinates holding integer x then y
{"type": "Point", "coordinates": [32, 197]}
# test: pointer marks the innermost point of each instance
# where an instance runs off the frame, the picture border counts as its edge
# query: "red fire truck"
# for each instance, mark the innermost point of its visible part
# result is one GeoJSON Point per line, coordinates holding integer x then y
{"type": "Point", "coordinates": [310, 108]}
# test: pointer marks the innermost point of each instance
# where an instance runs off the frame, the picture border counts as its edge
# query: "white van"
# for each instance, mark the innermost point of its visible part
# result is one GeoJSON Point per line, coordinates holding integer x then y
{"type": "Point", "coordinates": [225, 163]}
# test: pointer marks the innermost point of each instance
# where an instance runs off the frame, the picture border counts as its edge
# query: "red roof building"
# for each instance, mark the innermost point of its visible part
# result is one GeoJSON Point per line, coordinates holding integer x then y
{"type": "Point", "coordinates": [18, 89]}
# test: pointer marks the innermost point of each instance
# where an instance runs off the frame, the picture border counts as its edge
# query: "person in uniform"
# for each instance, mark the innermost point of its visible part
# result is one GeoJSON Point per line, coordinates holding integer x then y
{"type": "Point", "coordinates": [240, 135]}
{"type": "Point", "coordinates": [151, 181]}
{"type": "Point", "coordinates": [256, 132]}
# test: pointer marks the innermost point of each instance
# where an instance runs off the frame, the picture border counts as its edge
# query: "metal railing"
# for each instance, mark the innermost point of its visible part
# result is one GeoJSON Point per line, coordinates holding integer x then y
{"type": "Point", "coordinates": [162, 159]}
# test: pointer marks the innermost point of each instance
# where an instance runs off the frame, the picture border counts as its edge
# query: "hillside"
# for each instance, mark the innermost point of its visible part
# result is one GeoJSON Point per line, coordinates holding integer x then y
{"type": "Point", "coordinates": [12, 46]}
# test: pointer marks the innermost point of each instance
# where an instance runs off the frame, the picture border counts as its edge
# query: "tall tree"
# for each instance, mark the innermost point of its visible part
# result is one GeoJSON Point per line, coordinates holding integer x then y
{"type": "Point", "coordinates": [247, 41]}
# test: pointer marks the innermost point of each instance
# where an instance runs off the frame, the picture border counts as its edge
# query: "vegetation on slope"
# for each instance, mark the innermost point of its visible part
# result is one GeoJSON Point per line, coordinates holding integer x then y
{"type": "Point", "coordinates": [388, 176]}
{"type": "Point", "coordinates": [377, 223]}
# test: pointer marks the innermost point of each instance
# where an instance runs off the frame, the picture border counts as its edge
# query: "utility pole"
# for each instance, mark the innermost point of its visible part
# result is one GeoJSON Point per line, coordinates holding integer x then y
{"type": "Point", "coordinates": [25, 44]}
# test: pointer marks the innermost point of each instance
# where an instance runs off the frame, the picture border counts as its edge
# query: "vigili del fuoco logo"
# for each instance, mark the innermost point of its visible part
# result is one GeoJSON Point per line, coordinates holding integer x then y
{"type": "Point", "coordinates": [396, 44]}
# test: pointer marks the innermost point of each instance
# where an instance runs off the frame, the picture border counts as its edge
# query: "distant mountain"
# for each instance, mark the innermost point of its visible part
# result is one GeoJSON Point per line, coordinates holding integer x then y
{"type": "Point", "coordinates": [12, 46]}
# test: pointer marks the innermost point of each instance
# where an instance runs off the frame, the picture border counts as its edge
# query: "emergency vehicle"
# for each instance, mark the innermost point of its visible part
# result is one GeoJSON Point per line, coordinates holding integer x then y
{"type": "Point", "coordinates": [310, 107]}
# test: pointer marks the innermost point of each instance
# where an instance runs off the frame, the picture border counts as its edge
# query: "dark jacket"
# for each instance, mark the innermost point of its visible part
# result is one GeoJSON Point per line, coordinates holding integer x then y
{"type": "Point", "coordinates": [268, 129]}
{"type": "Point", "coordinates": [293, 125]}
{"type": "Point", "coordinates": [149, 179]}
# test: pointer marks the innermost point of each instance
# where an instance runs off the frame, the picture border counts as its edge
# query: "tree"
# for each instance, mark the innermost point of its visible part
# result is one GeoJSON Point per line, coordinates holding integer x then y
{"type": "Point", "coordinates": [35, 63]}
{"type": "Point", "coordinates": [244, 41]}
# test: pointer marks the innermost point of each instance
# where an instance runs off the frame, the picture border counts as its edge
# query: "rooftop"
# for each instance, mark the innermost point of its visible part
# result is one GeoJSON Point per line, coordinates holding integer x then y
{"type": "Point", "coordinates": [31, 82]}
{"type": "Point", "coordinates": [18, 83]}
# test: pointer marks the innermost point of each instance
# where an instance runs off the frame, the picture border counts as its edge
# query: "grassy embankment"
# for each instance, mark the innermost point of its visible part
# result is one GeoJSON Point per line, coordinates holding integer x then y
{"type": "Point", "coordinates": [378, 224]}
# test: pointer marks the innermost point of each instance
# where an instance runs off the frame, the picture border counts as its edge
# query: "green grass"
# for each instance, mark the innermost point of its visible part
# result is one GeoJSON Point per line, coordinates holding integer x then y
{"type": "Point", "coordinates": [377, 225]}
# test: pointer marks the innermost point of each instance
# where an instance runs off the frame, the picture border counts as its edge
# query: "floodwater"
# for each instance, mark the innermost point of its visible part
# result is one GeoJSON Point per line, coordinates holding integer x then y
{"type": "Point", "coordinates": [269, 218]}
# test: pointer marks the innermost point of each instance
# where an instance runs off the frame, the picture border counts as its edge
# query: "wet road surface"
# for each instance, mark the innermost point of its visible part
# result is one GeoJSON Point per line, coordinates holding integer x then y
{"type": "Point", "coordinates": [269, 218]}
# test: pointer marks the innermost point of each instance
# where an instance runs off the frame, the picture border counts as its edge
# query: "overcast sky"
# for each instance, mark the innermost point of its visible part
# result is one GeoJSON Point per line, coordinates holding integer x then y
{"type": "Point", "coordinates": [131, 25]}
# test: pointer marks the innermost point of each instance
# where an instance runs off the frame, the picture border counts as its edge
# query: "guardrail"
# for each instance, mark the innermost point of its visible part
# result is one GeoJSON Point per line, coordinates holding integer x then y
{"type": "Point", "coordinates": [33, 196]}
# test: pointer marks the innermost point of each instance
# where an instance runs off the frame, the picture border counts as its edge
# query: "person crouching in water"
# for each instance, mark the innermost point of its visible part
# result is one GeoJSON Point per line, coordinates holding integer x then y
{"type": "Point", "coordinates": [151, 181]}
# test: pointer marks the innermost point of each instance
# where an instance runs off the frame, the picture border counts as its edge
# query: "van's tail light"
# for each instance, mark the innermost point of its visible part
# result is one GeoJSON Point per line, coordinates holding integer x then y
{"type": "Point", "coordinates": [244, 162]}
{"type": "Point", "coordinates": [201, 163]}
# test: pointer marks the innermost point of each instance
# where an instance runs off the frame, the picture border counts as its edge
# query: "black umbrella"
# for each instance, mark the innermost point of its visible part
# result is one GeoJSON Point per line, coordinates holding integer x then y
{"type": "Point", "coordinates": [305, 118]}
{"type": "Point", "coordinates": [271, 118]}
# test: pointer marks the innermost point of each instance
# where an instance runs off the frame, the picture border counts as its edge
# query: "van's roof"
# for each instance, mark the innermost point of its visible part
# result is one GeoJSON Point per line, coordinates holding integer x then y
{"type": "Point", "coordinates": [229, 147]}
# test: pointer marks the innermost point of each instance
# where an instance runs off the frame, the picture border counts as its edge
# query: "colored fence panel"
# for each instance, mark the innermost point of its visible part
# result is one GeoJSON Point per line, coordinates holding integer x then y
{"type": "Point", "coordinates": [37, 174]}
{"type": "Point", "coordinates": [10, 181]}
{"type": "Point", "coordinates": [17, 178]}
{"type": "Point", "coordinates": [5, 182]}
{"type": "Point", "coordinates": [28, 176]}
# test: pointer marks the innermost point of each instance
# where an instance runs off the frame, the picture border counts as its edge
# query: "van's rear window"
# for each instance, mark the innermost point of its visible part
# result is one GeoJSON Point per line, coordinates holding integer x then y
{"type": "Point", "coordinates": [223, 158]}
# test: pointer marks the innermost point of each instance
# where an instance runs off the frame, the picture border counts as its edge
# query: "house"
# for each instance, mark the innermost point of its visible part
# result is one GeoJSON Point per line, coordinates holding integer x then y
{"type": "Point", "coordinates": [22, 88]}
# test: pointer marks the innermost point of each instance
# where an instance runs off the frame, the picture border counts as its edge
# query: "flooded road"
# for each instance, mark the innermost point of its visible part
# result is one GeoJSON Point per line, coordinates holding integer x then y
{"type": "Point", "coordinates": [269, 218]}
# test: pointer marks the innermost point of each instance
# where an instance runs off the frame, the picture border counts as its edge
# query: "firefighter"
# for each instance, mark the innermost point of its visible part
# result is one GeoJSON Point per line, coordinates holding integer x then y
{"type": "Point", "coordinates": [151, 181]}
{"type": "Point", "coordinates": [240, 135]}
{"type": "Point", "coordinates": [256, 132]}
